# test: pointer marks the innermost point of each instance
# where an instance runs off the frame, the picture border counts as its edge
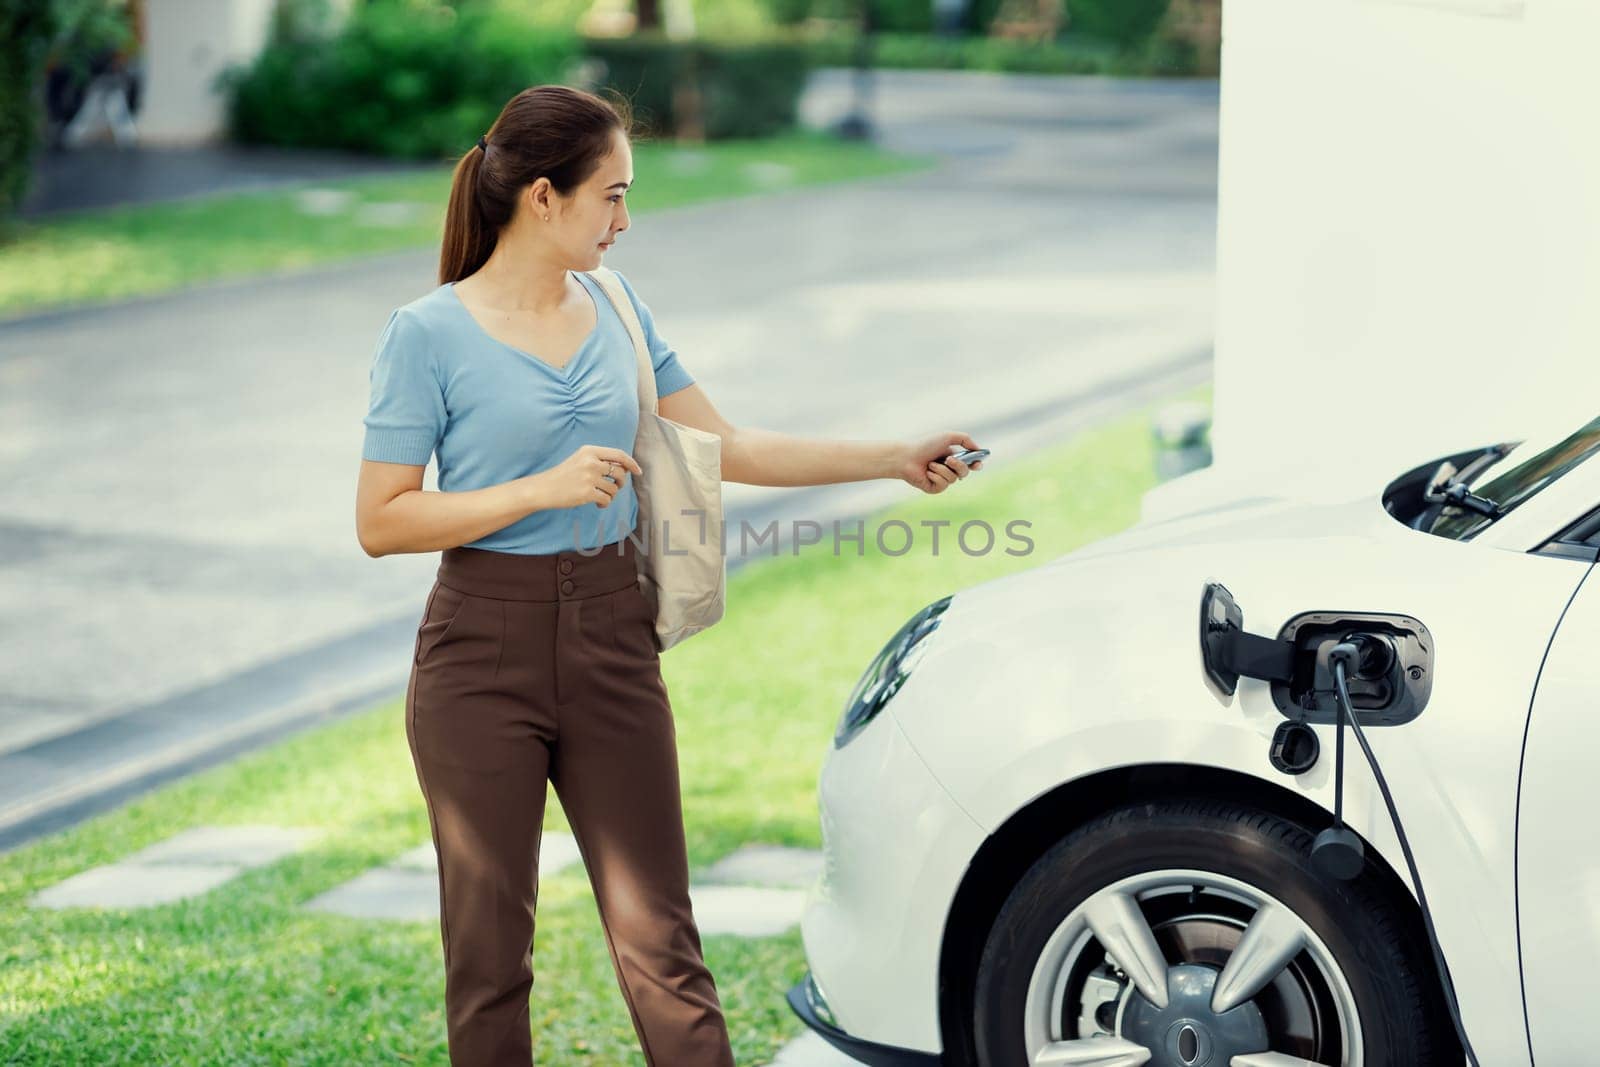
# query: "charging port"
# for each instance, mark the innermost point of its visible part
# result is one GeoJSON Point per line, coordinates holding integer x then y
{"type": "Point", "coordinates": [1390, 685]}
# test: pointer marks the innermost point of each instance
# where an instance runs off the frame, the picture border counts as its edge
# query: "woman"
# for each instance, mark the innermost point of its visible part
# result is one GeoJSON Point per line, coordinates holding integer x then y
{"type": "Point", "coordinates": [536, 658]}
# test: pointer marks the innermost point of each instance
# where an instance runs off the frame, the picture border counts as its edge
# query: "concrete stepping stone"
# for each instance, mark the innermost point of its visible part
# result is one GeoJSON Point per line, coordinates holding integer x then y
{"type": "Point", "coordinates": [321, 201]}
{"type": "Point", "coordinates": [749, 911]}
{"type": "Point", "coordinates": [557, 850]}
{"type": "Point", "coordinates": [243, 846]}
{"type": "Point", "coordinates": [421, 858]}
{"type": "Point", "coordinates": [393, 892]}
{"type": "Point", "coordinates": [774, 866]}
{"type": "Point", "coordinates": [407, 888]}
{"type": "Point", "coordinates": [810, 1050]}
{"type": "Point", "coordinates": [388, 213]}
{"type": "Point", "coordinates": [768, 172]}
{"type": "Point", "coordinates": [185, 865]}
{"type": "Point", "coordinates": [755, 890]}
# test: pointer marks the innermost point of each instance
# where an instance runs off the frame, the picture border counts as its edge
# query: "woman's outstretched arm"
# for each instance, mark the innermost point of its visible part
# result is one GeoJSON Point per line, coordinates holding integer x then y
{"type": "Point", "coordinates": [755, 456]}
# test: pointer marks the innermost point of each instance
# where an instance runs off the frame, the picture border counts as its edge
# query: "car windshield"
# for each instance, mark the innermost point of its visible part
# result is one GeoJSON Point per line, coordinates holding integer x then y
{"type": "Point", "coordinates": [1523, 471]}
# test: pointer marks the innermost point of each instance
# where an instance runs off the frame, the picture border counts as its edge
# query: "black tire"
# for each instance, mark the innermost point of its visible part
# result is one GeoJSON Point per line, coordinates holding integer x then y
{"type": "Point", "coordinates": [1377, 940]}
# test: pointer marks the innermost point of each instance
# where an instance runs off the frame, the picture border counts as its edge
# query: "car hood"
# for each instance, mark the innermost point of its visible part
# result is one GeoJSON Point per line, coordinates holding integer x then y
{"type": "Point", "coordinates": [1247, 523]}
{"type": "Point", "coordinates": [1217, 488]}
{"type": "Point", "coordinates": [1278, 555]}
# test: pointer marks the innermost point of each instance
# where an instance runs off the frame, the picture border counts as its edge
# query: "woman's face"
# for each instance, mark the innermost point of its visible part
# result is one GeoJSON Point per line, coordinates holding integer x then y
{"type": "Point", "coordinates": [585, 224]}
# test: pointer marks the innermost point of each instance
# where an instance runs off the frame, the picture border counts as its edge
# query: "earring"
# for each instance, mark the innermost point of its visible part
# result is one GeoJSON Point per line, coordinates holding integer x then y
{"type": "Point", "coordinates": [547, 218]}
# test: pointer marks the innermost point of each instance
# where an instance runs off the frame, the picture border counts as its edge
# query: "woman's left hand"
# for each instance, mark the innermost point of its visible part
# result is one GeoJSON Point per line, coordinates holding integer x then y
{"type": "Point", "coordinates": [920, 467]}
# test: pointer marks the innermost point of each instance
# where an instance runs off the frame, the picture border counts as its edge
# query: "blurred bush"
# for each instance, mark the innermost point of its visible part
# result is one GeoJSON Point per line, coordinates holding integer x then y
{"type": "Point", "coordinates": [789, 12]}
{"type": "Point", "coordinates": [696, 87]}
{"type": "Point", "coordinates": [412, 81]}
{"type": "Point", "coordinates": [979, 15]}
{"type": "Point", "coordinates": [894, 16]}
{"type": "Point", "coordinates": [422, 78]}
{"type": "Point", "coordinates": [1133, 38]}
{"type": "Point", "coordinates": [1128, 24]}
{"type": "Point", "coordinates": [902, 16]}
{"type": "Point", "coordinates": [916, 51]}
{"type": "Point", "coordinates": [1068, 54]}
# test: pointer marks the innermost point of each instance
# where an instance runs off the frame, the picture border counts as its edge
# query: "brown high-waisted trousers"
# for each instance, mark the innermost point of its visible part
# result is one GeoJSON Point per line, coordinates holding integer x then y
{"type": "Point", "coordinates": [535, 667]}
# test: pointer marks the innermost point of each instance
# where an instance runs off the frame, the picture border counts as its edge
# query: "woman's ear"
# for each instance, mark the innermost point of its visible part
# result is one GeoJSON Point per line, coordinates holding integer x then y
{"type": "Point", "coordinates": [539, 198]}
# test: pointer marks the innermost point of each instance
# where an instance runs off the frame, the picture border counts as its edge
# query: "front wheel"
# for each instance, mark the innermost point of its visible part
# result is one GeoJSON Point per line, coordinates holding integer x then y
{"type": "Point", "coordinates": [1197, 934]}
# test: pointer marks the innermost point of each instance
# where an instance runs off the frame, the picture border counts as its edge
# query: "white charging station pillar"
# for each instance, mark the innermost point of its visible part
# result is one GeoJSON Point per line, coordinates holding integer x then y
{"type": "Point", "coordinates": [1408, 251]}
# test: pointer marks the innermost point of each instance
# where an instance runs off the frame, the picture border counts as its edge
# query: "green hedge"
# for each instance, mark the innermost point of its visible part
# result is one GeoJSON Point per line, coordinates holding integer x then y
{"type": "Point", "coordinates": [424, 83]}
{"type": "Point", "coordinates": [1128, 26]}
{"type": "Point", "coordinates": [894, 16]}
{"type": "Point", "coordinates": [418, 83]}
{"type": "Point", "coordinates": [746, 89]}
{"type": "Point", "coordinates": [1126, 23]}
{"type": "Point", "coordinates": [1071, 54]}
{"type": "Point", "coordinates": [421, 82]}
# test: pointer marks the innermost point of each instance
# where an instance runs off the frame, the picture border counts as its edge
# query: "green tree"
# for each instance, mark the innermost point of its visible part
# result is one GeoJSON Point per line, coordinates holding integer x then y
{"type": "Point", "coordinates": [26, 29]}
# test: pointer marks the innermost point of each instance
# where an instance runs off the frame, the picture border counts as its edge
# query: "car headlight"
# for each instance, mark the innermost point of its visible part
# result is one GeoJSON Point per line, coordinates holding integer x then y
{"type": "Point", "coordinates": [888, 670]}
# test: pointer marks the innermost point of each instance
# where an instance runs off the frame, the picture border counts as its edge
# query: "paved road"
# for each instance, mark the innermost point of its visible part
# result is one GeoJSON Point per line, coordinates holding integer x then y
{"type": "Point", "coordinates": [177, 473]}
{"type": "Point", "coordinates": [105, 175]}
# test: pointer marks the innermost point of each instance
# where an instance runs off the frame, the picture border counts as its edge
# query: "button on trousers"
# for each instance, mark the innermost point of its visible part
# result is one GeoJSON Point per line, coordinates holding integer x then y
{"type": "Point", "coordinates": [530, 668]}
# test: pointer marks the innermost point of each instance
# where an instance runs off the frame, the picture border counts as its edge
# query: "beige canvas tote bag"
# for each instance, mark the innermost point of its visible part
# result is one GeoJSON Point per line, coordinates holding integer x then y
{"type": "Point", "coordinates": [682, 568]}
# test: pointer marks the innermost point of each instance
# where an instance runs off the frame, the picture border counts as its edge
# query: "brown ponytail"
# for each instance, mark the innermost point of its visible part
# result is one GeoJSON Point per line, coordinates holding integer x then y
{"type": "Point", "coordinates": [551, 131]}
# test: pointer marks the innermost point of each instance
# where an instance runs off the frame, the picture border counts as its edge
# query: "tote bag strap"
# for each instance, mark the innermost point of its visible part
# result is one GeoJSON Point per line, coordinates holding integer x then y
{"type": "Point", "coordinates": [630, 318]}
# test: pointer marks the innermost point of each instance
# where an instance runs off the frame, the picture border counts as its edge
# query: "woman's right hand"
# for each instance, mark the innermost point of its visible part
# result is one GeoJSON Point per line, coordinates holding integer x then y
{"type": "Point", "coordinates": [581, 477]}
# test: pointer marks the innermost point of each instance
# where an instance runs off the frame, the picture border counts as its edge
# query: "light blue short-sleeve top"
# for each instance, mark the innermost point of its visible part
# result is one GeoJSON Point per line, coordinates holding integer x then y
{"type": "Point", "coordinates": [493, 413]}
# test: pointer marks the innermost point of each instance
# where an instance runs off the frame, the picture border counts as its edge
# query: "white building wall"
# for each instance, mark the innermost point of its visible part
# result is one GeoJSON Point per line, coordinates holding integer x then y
{"type": "Point", "coordinates": [187, 44]}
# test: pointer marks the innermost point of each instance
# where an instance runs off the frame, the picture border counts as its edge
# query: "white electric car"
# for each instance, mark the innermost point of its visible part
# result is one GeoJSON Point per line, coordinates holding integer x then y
{"type": "Point", "coordinates": [1072, 815]}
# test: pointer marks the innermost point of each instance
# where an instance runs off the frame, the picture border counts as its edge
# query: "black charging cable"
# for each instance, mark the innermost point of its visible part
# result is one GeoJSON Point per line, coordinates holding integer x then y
{"type": "Point", "coordinates": [1349, 652]}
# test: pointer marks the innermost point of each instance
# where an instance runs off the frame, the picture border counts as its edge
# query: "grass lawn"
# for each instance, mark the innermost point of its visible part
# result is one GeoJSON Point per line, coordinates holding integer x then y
{"type": "Point", "coordinates": [154, 248]}
{"type": "Point", "coordinates": [244, 975]}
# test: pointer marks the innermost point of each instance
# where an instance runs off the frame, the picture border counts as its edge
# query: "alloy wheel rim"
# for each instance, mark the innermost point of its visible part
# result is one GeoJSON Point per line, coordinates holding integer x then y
{"type": "Point", "coordinates": [1249, 970]}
